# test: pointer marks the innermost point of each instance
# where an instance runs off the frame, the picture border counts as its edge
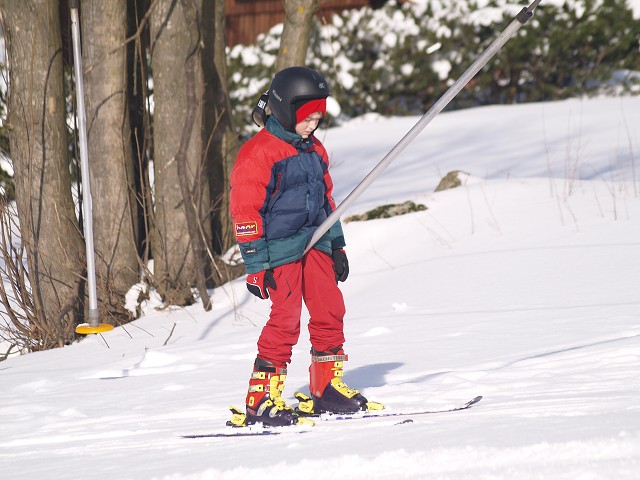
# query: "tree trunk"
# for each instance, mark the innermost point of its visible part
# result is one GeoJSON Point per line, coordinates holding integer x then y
{"type": "Point", "coordinates": [298, 15]}
{"type": "Point", "coordinates": [175, 60]}
{"type": "Point", "coordinates": [137, 98]}
{"type": "Point", "coordinates": [104, 27]}
{"type": "Point", "coordinates": [223, 142]}
{"type": "Point", "coordinates": [37, 118]}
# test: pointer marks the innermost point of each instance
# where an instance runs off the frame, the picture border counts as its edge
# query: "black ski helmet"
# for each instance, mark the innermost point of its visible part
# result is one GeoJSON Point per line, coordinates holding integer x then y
{"type": "Point", "coordinates": [291, 88]}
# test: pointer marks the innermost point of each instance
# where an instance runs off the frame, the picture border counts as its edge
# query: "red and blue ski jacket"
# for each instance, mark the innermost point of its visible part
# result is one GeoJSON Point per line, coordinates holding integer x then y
{"type": "Point", "coordinates": [280, 193]}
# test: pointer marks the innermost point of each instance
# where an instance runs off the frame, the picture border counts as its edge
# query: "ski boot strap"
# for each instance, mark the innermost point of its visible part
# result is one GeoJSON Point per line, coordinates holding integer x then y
{"type": "Point", "coordinates": [329, 358]}
{"type": "Point", "coordinates": [305, 404]}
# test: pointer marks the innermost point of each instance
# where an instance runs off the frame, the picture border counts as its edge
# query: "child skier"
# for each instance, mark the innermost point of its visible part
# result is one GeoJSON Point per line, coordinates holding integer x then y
{"type": "Point", "coordinates": [280, 193]}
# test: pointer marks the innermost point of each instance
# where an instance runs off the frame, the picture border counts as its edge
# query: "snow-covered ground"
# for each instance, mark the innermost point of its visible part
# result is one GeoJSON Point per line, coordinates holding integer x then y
{"type": "Point", "coordinates": [522, 286]}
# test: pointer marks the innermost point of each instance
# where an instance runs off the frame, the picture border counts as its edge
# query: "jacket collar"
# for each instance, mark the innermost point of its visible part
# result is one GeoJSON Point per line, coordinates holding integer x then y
{"type": "Point", "coordinates": [275, 128]}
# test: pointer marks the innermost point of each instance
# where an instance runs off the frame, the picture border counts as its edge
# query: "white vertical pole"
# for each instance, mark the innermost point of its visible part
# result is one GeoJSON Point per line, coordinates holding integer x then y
{"type": "Point", "coordinates": [84, 168]}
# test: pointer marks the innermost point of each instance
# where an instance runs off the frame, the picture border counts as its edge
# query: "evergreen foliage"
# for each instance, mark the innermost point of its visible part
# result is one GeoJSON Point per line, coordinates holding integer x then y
{"type": "Point", "coordinates": [401, 58]}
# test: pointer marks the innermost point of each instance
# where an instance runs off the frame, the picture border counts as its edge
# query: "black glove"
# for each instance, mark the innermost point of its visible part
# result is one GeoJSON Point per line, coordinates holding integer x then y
{"type": "Point", "coordinates": [340, 264]}
{"type": "Point", "coordinates": [259, 283]}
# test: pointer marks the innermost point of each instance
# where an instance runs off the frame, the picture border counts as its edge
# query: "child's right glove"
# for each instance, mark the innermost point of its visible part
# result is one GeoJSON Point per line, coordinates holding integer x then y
{"type": "Point", "coordinates": [259, 283]}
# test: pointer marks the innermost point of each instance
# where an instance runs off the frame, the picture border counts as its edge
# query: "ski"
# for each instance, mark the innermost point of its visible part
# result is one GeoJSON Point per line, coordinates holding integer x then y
{"type": "Point", "coordinates": [258, 430]}
{"type": "Point", "coordinates": [403, 413]}
{"type": "Point", "coordinates": [238, 427]}
{"type": "Point", "coordinates": [249, 431]}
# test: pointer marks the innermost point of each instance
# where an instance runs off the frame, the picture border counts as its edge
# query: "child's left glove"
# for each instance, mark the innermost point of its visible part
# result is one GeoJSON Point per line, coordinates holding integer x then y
{"type": "Point", "coordinates": [340, 264]}
{"type": "Point", "coordinates": [259, 283]}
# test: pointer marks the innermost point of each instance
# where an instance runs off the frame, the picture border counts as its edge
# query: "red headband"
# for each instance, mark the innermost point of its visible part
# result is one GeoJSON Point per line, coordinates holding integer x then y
{"type": "Point", "coordinates": [312, 106]}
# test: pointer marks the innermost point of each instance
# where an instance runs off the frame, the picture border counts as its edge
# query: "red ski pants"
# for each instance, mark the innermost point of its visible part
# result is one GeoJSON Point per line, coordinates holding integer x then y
{"type": "Point", "coordinates": [313, 280]}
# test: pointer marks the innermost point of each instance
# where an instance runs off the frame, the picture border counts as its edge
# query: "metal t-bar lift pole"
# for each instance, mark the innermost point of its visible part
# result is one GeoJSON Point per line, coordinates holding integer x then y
{"type": "Point", "coordinates": [94, 325]}
{"type": "Point", "coordinates": [522, 18]}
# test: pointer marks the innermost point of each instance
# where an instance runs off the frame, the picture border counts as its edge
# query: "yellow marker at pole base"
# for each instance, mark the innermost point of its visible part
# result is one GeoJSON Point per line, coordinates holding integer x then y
{"type": "Point", "coordinates": [86, 329]}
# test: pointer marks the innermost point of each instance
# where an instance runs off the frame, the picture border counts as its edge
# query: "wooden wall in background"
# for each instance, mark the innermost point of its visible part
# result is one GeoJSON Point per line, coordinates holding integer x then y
{"type": "Point", "coordinates": [246, 19]}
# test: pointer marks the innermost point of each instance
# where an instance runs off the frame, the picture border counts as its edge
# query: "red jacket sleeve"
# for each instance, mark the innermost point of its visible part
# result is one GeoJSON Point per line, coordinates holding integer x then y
{"type": "Point", "coordinates": [249, 179]}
